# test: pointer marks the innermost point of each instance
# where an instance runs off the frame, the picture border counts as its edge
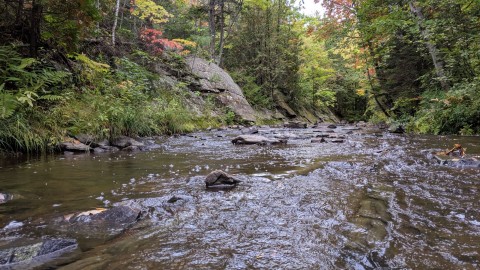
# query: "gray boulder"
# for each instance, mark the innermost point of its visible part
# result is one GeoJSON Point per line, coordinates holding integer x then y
{"type": "Point", "coordinates": [257, 139]}
{"type": "Point", "coordinates": [214, 79]}
{"type": "Point", "coordinates": [124, 141]}
{"type": "Point", "coordinates": [220, 179]}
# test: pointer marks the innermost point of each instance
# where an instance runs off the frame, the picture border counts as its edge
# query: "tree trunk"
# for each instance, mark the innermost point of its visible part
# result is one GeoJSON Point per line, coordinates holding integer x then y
{"type": "Point", "coordinates": [35, 20]}
{"type": "Point", "coordinates": [97, 6]}
{"type": "Point", "coordinates": [222, 32]}
{"type": "Point", "coordinates": [18, 16]}
{"type": "Point", "coordinates": [211, 24]}
{"type": "Point", "coordinates": [432, 49]}
{"type": "Point", "coordinates": [114, 28]}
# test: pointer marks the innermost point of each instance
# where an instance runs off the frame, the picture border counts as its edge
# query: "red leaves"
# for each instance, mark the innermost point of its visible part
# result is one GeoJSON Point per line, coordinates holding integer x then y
{"type": "Point", "coordinates": [156, 44]}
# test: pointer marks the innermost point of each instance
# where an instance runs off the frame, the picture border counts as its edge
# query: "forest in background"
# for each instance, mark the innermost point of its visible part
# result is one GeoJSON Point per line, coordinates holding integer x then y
{"type": "Point", "coordinates": [87, 66]}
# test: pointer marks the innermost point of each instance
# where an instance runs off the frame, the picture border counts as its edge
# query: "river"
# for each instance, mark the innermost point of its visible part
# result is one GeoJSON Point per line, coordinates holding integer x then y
{"type": "Point", "coordinates": [376, 200]}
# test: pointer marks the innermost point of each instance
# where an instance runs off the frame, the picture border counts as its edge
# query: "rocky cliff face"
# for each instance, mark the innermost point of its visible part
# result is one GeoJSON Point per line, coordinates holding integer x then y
{"type": "Point", "coordinates": [210, 81]}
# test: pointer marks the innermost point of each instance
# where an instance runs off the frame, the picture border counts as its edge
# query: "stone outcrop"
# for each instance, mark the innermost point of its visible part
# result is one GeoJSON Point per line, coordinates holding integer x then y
{"type": "Point", "coordinates": [213, 79]}
{"type": "Point", "coordinates": [282, 105]}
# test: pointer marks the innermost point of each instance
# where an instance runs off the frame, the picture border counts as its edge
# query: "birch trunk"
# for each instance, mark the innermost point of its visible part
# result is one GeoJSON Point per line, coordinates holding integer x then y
{"type": "Point", "coordinates": [114, 28]}
{"type": "Point", "coordinates": [432, 49]}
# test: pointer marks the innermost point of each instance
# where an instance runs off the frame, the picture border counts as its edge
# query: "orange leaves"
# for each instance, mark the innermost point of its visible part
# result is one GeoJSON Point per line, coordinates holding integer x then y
{"type": "Point", "coordinates": [157, 44]}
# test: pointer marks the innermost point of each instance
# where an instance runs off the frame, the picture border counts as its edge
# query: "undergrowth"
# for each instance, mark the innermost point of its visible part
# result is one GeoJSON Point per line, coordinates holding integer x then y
{"type": "Point", "coordinates": [41, 106]}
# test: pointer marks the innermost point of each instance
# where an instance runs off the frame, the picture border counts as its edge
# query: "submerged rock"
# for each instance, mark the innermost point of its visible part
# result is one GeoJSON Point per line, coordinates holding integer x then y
{"type": "Point", "coordinates": [116, 215]}
{"type": "Point", "coordinates": [99, 223]}
{"type": "Point", "coordinates": [25, 253]}
{"type": "Point", "coordinates": [257, 139]}
{"type": "Point", "coordinates": [220, 179]}
{"type": "Point", "coordinates": [457, 162]}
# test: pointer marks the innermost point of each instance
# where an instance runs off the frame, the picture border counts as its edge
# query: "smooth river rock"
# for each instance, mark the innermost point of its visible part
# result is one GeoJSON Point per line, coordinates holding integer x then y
{"type": "Point", "coordinates": [220, 179]}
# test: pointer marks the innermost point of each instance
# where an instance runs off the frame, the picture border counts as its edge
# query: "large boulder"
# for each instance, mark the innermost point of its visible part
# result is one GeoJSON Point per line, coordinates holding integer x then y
{"type": "Point", "coordinates": [29, 254]}
{"type": "Point", "coordinates": [257, 139]}
{"type": "Point", "coordinates": [213, 79]}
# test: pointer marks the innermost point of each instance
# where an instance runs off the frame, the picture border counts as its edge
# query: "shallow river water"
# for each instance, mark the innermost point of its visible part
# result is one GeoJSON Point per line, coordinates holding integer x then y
{"type": "Point", "coordinates": [376, 201]}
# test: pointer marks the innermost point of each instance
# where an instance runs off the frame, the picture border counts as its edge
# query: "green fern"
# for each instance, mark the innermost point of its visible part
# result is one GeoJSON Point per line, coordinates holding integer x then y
{"type": "Point", "coordinates": [8, 101]}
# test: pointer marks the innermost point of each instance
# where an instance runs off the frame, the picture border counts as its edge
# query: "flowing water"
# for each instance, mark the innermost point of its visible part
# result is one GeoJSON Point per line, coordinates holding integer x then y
{"type": "Point", "coordinates": [377, 200]}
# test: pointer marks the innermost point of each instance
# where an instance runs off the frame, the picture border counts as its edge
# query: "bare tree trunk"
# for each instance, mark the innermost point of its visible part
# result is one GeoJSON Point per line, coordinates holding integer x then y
{"type": "Point", "coordinates": [222, 33]}
{"type": "Point", "coordinates": [432, 49]}
{"type": "Point", "coordinates": [211, 24]}
{"type": "Point", "coordinates": [114, 28]}
{"type": "Point", "coordinates": [97, 6]}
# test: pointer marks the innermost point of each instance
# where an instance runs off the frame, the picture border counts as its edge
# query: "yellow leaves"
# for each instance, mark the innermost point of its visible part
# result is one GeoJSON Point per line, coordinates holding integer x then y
{"type": "Point", "coordinates": [361, 92]}
{"type": "Point", "coordinates": [125, 84]}
{"type": "Point", "coordinates": [93, 65]}
{"type": "Point", "coordinates": [186, 43]}
{"type": "Point", "coordinates": [150, 11]}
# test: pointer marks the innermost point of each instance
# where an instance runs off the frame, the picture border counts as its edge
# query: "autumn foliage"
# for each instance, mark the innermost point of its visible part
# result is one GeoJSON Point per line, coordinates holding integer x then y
{"type": "Point", "coordinates": [156, 44]}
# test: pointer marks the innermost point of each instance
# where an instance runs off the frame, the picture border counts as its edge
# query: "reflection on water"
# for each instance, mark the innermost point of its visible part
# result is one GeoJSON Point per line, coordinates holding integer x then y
{"type": "Point", "coordinates": [374, 201]}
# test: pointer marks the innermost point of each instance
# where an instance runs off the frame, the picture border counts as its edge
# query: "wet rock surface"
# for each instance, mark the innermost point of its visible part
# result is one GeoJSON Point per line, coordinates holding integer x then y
{"type": "Point", "coordinates": [257, 139]}
{"type": "Point", "coordinates": [377, 201]}
{"type": "Point", "coordinates": [25, 253]}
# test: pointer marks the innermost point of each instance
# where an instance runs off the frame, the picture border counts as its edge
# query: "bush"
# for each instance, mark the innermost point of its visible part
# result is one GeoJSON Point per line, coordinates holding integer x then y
{"type": "Point", "coordinates": [454, 112]}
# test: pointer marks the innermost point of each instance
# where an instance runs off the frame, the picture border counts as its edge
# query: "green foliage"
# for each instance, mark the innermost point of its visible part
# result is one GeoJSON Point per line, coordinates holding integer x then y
{"type": "Point", "coordinates": [229, 117]}
{"type": "Point", "coordinates": [253, 93]}
{"type": "Point", "coordinates": [325, 98]}
{"type": "Point", "coordinates": [26, 81]}
{"type": "Point", "coordinates": [456, 111]}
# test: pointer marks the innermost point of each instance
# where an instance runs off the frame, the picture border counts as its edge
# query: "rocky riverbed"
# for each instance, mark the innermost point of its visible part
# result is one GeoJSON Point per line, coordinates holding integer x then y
{"type": "Point", "coordinates": [326, 197]}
